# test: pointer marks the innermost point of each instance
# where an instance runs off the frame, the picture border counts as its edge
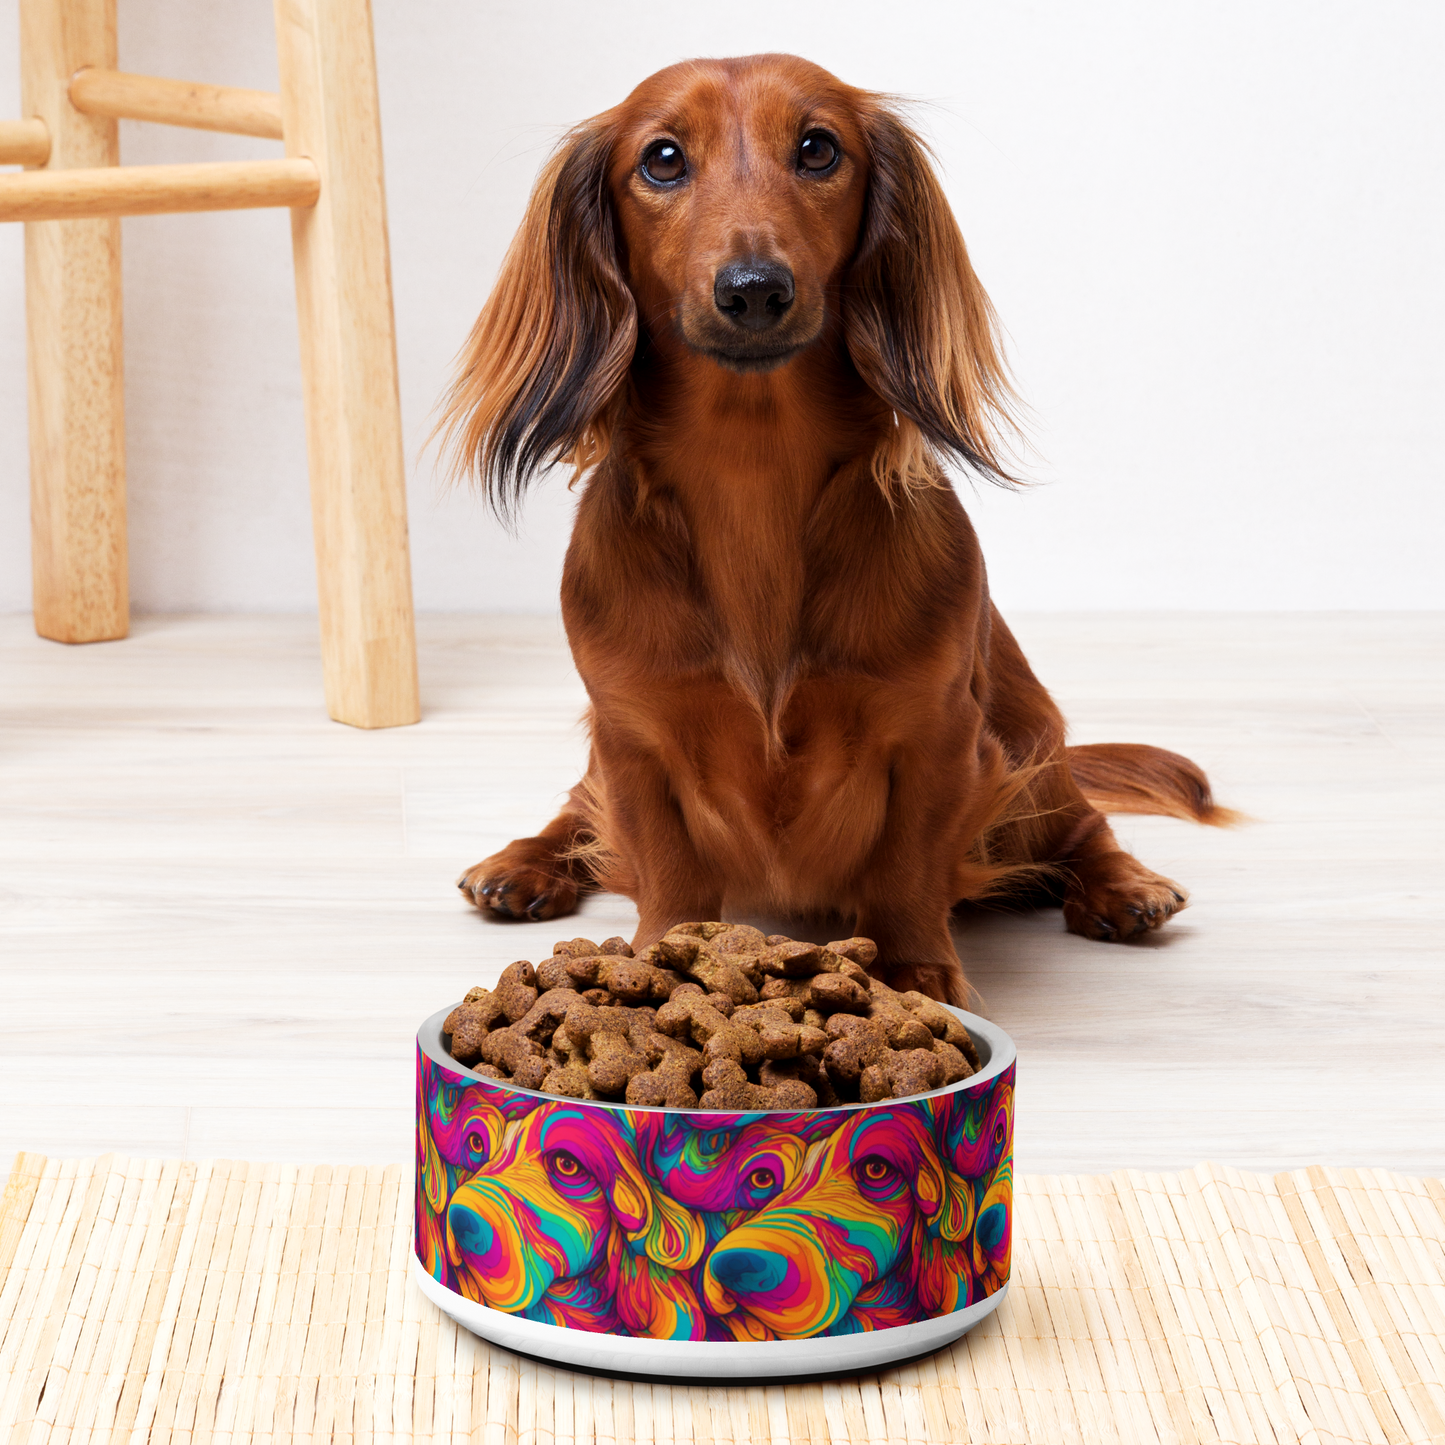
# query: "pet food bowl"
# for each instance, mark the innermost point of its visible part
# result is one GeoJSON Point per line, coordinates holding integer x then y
{"type": "Point", "coordinates": [699, 1245]}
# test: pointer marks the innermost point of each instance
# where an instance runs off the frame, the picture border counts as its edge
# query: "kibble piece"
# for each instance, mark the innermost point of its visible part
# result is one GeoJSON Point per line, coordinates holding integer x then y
{"type": "Point", "coordinates": [728, 1087]}
{"type": "Point", "coordinates": [848, 1056]}
{"type": "Point", "coordinates": [789, 1005]}
{"type": "Point", "coordinates": [468, 1024]}
{"type": "Point", "coordinates": [530, 1073]}
{"type": "Point", "coordinates": [862, 951]}
{"type": "Point", "coordinates": [692, 957]}
{"type": "Point", "coordinates": [775, 988]}
{"type": "Point", "coordinates": [955, 1067]}
{"type": "Point", "coordinates": [902, 1029]}
{"type": "Point", "coordinates": [798, 960]}
{"type": "Point", "coordinates": [832, 993]}
{"type": "Point", "coordinates": [516, 989]}
{"type": "Point", "coordinates": [913, 1071]}
{"type": "Point", "coordinates": [738, 939]}
{"type": "Point", "coordinates": [616, 945]}
{"type": "Point", "coordinates": [704, 931]}
{"type": "Point", "coordinates": [552, 972]}
{"type": "Point", "coordinates": [575, 947]}
{"type": "Point", "coordinates": [668, 1084]}
{"type": "Point", "coordinates": [507, 1049]}
{"type": "Point", "coordinates": [570, 1081]}
{"type": "Point", "coordinates": [805, 1069]}
{"type": "Point", "coordinates": [545, 1016]}
{"type": "Point", "coordinates": [781, 1037]}
{"type": "Point", "coordinates": [694, 1018]}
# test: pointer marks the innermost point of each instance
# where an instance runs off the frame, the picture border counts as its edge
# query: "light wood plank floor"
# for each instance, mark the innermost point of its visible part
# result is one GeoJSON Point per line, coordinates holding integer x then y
{"type": "Point", "coordinates": [222, 916]}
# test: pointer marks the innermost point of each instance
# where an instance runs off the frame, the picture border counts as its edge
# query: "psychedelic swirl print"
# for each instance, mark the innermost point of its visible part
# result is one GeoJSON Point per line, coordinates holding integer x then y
{"type": "Point", "coordinates": [691, 1226]}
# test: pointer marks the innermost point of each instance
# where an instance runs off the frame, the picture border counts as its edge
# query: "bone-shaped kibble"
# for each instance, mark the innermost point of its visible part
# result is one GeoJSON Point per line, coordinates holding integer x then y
{"type": "Point", "coordinates": [955, 1066]}
{"type": "Point", "coordinates": [832, 993]}
{"type": "Point", "coordinates": [569, 1081]}
{"type": "Point", "coordinates": [692, 957]}
{"type": "Point", "coordinates": [740, 940]}
{"type": "Point", "coordinates": [798, 960]}
{"type": "Point", "coordinates": [575, 948]}
{"type": "Point", "coordinates": [470, 1022]}
{"type": "Point", "coordinates": [897, 1075]}
{"type": "Point", "coordinates": [728, 1087]}
{"type": "Point", "coordinates": [903, 1029]}
{"type": "Point", "coordinates": [516, 989]}
{"type": "Point", "coordinates": [542, 1020]}
{"type": "Point", "coordinates": [862, 951]}
{"type": "Point", "coordinates": [781, 1037]}
{"type": "Point", "coordinates": [612, 1060]}
{"type": "Point", "coordinates": [508, 1048]}
{"type": "Point", "coordinates": [691, 1017]}
{"type": "Point", "coordinates": [805, 1069]}
{"type": "Point", "coordinates": [668, 1084]}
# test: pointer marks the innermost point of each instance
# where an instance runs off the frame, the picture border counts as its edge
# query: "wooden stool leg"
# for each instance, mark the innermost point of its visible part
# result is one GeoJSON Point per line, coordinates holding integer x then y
{"type": "Point", "coordinates": [348, 360]}
{"type": "Point", "coordinates": [72, 305]}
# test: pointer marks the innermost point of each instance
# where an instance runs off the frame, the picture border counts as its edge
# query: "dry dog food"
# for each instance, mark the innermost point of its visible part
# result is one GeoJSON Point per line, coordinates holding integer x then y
{"type": "Point", "coordinates": [713, 1016]}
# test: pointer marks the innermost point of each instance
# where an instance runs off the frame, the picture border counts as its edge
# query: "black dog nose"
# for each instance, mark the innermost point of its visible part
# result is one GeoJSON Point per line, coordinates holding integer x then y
{"type": "Point", "coordinates": [754, 293]}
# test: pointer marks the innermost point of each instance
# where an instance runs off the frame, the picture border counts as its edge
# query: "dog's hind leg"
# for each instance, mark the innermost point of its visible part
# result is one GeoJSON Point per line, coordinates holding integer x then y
{"type": "Point", "coordinates": [1106, 892]}
{"type": "Point", "coordinates": [542, 877]}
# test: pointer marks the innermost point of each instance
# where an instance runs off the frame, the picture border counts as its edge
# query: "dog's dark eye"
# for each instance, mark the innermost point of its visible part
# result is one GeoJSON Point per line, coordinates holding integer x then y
{"type": "Point", "coordinates": [818, 151]}
{"type": "Point", "coordinates": [664, 162]}
{"type": "Point", "coordinates": [565, 1165]}
{"type": "Point", "coordinates": [761, 1178]}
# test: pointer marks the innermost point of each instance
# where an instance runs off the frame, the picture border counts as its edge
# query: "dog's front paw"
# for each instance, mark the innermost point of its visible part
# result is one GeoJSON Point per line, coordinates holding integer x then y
{"type": "Point", "coordinates": [1115, 898]}
{"type": "Point", "coordinates": [517, 883]}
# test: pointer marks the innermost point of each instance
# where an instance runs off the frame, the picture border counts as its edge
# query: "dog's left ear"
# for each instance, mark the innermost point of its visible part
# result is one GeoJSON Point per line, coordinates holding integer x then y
{"type": "Point", "coordinates": [670, 1234]}
{"type": "Point", "coordinates": [540, 374]}
{"type": "Point", "coordinates": [919, 325]}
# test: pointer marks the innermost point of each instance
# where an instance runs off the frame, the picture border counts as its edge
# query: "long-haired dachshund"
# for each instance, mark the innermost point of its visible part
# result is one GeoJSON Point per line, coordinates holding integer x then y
{"type": "Point", "coordinates": [740, 305]}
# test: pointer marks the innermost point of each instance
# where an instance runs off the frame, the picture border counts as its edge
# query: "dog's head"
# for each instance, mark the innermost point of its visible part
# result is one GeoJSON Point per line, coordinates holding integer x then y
{"type": "Point", "coordinates": [843, 1225]}
{"type": "Point", "coordinates": [724, 1168]}
{"type": "Point", "coordinates": [737, 216]}
{"type": "Point", "coordinates": [546, 1207]}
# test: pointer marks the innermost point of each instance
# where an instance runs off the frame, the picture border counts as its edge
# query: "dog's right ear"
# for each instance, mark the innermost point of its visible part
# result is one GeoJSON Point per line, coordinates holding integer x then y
{"type": "Point", "coordinates": [542, 370]}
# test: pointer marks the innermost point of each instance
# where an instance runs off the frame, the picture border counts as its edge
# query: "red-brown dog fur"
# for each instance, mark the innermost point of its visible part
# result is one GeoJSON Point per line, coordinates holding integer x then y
{"type": "Point", "coordinates": [803, 701]}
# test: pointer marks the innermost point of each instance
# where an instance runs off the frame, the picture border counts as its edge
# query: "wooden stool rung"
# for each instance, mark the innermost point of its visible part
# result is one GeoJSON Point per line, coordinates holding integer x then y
{"type": "Point", "coordinates": [96, 91]}
{"type": "Point", "coordinates": [155, 190]}
{"type": "Point", "coordinates": [24, 143]}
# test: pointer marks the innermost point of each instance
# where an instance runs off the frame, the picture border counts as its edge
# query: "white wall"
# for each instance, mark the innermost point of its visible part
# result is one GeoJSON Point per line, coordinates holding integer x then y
{"type": "Point", "coordinates": [1212, 230]}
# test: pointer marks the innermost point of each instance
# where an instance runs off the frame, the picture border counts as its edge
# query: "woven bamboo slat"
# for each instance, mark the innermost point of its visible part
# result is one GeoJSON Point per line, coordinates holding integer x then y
{"type": "Point", "coordinates": [231, 1302]}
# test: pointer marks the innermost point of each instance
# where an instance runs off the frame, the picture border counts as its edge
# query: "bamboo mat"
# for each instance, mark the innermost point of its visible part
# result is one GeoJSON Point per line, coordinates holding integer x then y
{"type": "Point", "coordinates": [153, 1300]}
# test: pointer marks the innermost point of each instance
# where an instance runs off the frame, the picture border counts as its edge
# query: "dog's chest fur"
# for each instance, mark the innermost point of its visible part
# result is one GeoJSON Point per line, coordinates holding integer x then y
{"type": "Point", "coordinates": [775, 667]}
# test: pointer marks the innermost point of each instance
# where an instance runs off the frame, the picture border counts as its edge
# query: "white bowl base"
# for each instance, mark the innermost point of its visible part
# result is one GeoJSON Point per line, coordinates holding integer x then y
{"type": "Point", "coordinates": [818, 1357]}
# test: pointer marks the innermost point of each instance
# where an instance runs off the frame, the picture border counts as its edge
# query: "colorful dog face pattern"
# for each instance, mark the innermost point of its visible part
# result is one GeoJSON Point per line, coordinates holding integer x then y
{"type": "Point", "coordinates": [692, 1226]}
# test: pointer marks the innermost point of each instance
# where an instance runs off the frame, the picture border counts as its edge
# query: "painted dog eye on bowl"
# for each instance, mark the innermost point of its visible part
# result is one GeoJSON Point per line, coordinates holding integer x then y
{"type": "Point", "coordinates": [761, 1179]}
{"type": "Point", "coordinates": [565, 1168]}
{"type": "Point", "coordinates": [877, 1172]}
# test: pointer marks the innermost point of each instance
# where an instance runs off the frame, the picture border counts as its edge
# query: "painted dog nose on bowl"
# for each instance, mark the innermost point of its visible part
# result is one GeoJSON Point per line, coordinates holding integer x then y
{"type": "Point", "coordinates": [755, 294]}
{"type": "Point", "coordinates": [713, 1245]}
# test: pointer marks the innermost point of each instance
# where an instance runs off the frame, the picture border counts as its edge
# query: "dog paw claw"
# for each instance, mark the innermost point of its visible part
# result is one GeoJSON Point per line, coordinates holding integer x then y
{"type": "Point", "coordinates": [1116, 899]}
{"type": "Point", "coordinates": [528, 891]}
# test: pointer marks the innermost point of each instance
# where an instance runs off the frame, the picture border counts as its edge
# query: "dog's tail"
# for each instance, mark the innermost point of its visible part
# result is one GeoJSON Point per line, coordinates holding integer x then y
{"type": "Point", "coordinates": [1135, 778]}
